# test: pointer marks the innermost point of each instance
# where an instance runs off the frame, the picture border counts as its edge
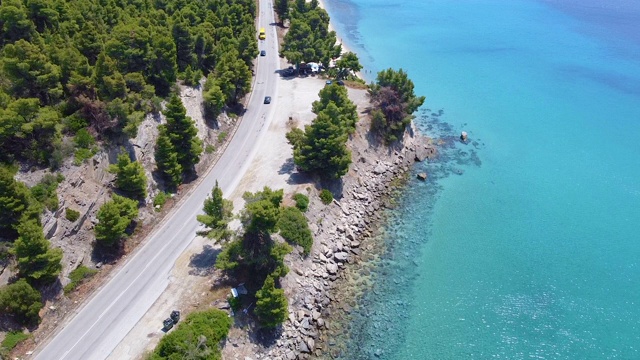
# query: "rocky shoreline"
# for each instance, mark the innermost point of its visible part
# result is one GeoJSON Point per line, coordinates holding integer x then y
{"type": "Point", "coordinates": [342, 231]}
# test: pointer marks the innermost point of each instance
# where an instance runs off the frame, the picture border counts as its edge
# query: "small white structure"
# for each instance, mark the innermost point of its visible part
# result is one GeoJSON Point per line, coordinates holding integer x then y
{"type": "Point", "coordinates": [239, 290]}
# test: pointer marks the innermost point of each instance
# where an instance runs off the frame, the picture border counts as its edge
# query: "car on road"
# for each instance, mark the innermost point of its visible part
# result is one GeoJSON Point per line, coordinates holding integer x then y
{"type": "Point", "coordinates": [329, 82]}
{"type": "Point", "coordinates": [263, 53]}
{"type": "Point", "coordinates": [267, 99]}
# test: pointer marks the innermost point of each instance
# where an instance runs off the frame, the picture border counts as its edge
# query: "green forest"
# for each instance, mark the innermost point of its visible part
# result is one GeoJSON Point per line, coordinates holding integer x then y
{"type": "Point", "coordinates": [79, 74]}
{"type": "Point", "coordinates": [101, 65]}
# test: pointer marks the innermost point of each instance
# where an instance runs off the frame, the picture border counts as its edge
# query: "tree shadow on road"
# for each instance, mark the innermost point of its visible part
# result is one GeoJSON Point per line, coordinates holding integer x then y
{"type": "Point", "coordinates": [202, 264]}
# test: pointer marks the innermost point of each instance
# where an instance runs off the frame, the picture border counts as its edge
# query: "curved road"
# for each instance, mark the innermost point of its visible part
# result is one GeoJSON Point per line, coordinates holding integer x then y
{"type": "Point", "coordinates": [114, 309]}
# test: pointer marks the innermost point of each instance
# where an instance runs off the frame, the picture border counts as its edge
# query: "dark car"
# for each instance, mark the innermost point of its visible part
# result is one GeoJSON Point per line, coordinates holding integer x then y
{"type": "Point", "coordinates": [168, 323]}
{"type": "Point", "coordinates": [329, 82]}
{"type": "Point", "coordinates": [340, 82]}
{"type": "Point", "coordinates": [267, 99]}
{"type": "Point", "coordinates": [263, 53]}
{"type": "Point", "coordinates": [175, 316]}
{"type": "Point", "coordinates": [290, 71]}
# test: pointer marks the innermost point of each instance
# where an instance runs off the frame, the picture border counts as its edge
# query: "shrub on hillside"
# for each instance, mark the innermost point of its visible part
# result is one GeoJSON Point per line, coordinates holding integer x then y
{"type": "Point", "coordinates": [71, 214]}
{"type": "Point", "coordinates": [13, 338]}
{"type": "Point", "coordinates": [326, 196]}
{"type": "Point", "coordinates": [77, 276]}
{"type": "Point", "coordinates": [294, 228]}
{"type": "Point", "coordinates": [160, 199]}
{"type": "Point", "coordinates": [302, 201]}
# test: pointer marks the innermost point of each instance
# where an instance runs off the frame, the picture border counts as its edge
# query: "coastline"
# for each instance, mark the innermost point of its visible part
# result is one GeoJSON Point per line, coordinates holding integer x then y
{"type": "Point", "coordinates": [345, 235]}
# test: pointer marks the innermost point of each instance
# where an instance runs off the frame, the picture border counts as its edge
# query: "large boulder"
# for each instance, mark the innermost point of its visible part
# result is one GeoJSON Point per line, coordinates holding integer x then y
{"type": "Point", "coordinates": [421, 154]}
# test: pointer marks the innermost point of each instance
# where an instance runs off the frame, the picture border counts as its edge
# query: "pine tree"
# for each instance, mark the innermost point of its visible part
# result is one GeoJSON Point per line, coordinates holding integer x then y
{"type": "Point", "coordinates": [183, 134]}
{"type": "Point", "coordinates": [271, 304]}
{"type": "Point", "coordinates": [167, 159]}
{"type": "Point", "coordinates": [282, 9]}
{"type": "Point", "coordinates": [334, 100]}
{"type": "Point", "coordinates": [130, 176]}
{"type": "Point", "coordinates": [114, 217]}
{"type": "Point", "coordinates": [323, 149]}
{"type": "Point", "coordinates": [37, 261]}
{"type": "Point", "coordinates": [21, 300]}
{"type": "Point", "coordinates": [218, 212]}
{"type": "Point", "coordinates": [16, 202]}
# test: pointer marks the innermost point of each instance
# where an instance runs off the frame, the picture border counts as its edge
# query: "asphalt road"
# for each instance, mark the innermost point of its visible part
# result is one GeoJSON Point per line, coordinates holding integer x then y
{"type": "Point", "coordinates": [117, 306]}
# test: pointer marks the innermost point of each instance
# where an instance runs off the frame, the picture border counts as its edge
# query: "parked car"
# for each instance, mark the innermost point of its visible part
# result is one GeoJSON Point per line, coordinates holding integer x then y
{"type": "Point", "coordinates": [340, 82]}
{"type": "Point", "coordinates": [168, 324]}
{"type": "Point", "coordinates": [329, 82]}
{"type": "Point", "coordinates": [263, 53]}
{"type": "Point", "coordinates": [267, 99]}
{"type": "Point", "coordinates": [175, 316]}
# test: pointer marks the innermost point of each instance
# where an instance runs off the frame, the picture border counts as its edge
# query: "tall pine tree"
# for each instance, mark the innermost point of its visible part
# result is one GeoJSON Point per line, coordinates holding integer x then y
{"type": "Point", "coordinates": [167, 159]}
{"type": "Point", "coordinates": [130, 176]}
{"type": "Point", "coordinates": [271, 304]}
{"type": "Point", "coordinates": [323, 148]}
{"type": "Point", "coordinates": [37, 261]}
{"type": "Point", "coordinates": [218, 212]}
{"type": "Point", "coordinates": [183, 134]}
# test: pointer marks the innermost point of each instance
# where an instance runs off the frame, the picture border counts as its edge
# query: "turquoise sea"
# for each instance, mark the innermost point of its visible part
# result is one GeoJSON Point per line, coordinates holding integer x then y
{"type": "Point", "coordinates": [524, 243]}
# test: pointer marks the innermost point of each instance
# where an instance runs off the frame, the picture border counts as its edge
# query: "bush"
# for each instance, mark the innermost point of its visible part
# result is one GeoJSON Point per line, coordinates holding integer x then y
{"type": "Point", "coordinates": [302, 201]}
{"type": "Point", "coordinates": [77, 276]}
{"type": "Point", "coordinates": [200, 334]}
{"type": "Point", "coordinates": [72, 215]}
{"type": "Point", "coordinates": [82, 155]}
{"type": "Point", "coordinates": [209, 149]}
{"type": "Point", "coordinates": [45, 191]}
{"type": "Point", "coordinates": [222, 136]}
{"type": "Point", "coordinates": [160, 199]}
{"type": "Point", "coordinates": [22, 301]}
{"type": "Point", "coordinates": [326, 196]}
{"type": "Point", "coordinates": [294, 228]}
{"type": "Point", "coordinates": [13, 338]}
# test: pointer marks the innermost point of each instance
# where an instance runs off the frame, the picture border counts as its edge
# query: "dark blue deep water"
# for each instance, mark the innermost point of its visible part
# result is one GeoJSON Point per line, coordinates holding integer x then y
{"type": "Point", "coordinates": [525, 243]}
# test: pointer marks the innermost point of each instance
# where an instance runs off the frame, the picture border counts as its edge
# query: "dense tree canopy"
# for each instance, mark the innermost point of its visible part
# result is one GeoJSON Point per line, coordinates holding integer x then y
{"type": "Point", "coordinates": [62, 63]}
{"type": "Point", "coordinates": [322, 147]}
{"type": "Point", "coordinates": [345, 113]}
{"type": "Point", "coordinates": [16, 202]}
{"type": "Point", "coordinates": [255, 249]}
{"type": "Point", "coordinates": [394, 103]}
{"type": "Point", "coordinates": [309, 38]}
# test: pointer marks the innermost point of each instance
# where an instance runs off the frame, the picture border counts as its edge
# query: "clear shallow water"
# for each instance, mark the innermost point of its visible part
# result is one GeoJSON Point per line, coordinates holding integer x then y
{"type": "Point", "coordinates": [534, 251]}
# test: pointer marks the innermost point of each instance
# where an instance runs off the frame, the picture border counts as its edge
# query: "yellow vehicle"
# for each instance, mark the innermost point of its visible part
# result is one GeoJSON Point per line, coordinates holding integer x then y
{"type": "Point", "coordinates": [263, 34]}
